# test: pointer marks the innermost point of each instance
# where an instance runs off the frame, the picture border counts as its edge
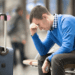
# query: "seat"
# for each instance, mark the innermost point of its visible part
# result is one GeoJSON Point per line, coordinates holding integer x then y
{"type": "Point", "coordinates": [69, 68]}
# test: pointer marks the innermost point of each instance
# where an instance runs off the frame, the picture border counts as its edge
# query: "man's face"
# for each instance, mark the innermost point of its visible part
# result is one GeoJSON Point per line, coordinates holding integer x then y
{"type": "Point", "coordinates": [43, 23]}
{"type": "Point", "coordinates": [20, 12]}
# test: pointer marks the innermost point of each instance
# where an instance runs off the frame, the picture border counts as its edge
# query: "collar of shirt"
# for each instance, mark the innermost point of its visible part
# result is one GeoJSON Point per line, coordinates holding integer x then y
{"type": "Point", "coordinates": [54, 23]}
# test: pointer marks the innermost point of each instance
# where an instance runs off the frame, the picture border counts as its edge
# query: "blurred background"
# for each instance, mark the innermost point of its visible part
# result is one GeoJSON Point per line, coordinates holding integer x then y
{"type": "Point", "coordinates": [9, 7]}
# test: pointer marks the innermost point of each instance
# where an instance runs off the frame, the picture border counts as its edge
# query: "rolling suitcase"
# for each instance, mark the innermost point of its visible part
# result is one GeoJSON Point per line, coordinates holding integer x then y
{"type": "Point", "coordinates": [6, 55]}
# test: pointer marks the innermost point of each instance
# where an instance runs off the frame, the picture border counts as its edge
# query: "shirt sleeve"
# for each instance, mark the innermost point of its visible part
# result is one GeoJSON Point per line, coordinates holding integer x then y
{"type": "Point", "coordinates": [67, 38]}
{"type": "Point", "coordinates": [42, 46]}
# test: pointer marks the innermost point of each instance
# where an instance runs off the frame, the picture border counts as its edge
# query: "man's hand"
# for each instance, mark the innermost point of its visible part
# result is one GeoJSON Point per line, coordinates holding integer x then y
{"type": "Point", "coordinates": [14, 39]}
{"type": "Point", "coordinates": [33, 28]}
{"type": "Point", "coordinates": [23, 41]}
{"type": "Point", "coordinates": [45, 66]}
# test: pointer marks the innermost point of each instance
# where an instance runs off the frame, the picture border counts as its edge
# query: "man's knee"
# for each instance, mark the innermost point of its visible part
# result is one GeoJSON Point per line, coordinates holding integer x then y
{"type": "Point", "coordinates": [41, 59]}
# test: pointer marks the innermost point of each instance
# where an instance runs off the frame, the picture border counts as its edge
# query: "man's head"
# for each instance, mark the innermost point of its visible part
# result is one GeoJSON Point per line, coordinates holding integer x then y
{"type": "Point", "coordinates": [19, 11]}
{"type": "Point", "coordinates": [41, 16]}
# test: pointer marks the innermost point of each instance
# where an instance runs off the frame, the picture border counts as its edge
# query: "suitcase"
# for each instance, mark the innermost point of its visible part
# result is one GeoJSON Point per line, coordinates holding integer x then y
{"type": "Point", "coordinates": [6, 55]}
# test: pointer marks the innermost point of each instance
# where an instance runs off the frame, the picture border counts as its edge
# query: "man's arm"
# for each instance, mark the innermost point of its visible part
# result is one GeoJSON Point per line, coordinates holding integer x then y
{"type": "Point", "coordinates": [42, 47]}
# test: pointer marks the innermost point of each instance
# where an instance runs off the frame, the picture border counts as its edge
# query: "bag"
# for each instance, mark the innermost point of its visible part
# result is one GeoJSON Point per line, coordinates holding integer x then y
{"type": "Point", "coordinates": [6, 55]}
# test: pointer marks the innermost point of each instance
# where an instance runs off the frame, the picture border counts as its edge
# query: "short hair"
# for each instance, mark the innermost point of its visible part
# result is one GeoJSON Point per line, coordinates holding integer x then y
{"type": "Point", "coordinates": [18, 9]}
{"type": "Point", "coordinates": [37, 12]}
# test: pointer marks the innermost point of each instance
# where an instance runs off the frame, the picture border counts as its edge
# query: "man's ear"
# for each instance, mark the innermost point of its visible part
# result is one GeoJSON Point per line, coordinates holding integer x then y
{"type": "Point", "coordinates": [44, 15]}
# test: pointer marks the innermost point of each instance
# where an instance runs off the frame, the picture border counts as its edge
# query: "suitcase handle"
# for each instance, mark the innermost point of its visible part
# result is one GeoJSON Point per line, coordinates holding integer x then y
{"type": "Point", "coordinates": [1, 51]}
{"type": "Point", "coordinates": [5, 32]}
{"type": "Point", "coordinates": [5, 16]}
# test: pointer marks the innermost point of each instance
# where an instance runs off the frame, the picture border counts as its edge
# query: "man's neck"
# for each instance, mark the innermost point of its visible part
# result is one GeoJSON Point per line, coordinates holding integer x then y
{"type": "Point", "coordinates": [52, 19]}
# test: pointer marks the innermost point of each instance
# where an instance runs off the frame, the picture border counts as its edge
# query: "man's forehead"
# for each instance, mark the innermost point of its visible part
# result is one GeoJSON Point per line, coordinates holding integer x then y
{"type": "Point", "coordinates": [34, 20]}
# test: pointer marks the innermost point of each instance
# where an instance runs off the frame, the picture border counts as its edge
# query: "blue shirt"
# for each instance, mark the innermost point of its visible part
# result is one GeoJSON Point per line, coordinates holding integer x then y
{"type": "Point", "coordinates": [63, 35]}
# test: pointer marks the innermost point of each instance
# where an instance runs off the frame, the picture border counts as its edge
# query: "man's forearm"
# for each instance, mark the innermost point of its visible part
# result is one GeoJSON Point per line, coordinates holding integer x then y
{"type": "Point", "coordinates": [61, 50]}
{"type": "Point", "coordinates": [38, 44]}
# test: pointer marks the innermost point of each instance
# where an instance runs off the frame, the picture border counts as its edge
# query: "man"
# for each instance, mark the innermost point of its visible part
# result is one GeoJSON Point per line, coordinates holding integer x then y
{"type": "Point", "coordinates": [61, 30]}
{"type": "Point", "coordinates": [17, 34]}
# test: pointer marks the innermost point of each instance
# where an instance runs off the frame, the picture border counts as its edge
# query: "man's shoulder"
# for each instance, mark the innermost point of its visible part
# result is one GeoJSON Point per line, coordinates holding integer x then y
{"type": "Point", "coordinates": [65, 16]}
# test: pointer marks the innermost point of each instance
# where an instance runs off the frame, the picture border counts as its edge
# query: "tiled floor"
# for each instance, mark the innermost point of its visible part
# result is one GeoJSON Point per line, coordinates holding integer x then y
{"type": "Point", "coordinates": [19, 70]}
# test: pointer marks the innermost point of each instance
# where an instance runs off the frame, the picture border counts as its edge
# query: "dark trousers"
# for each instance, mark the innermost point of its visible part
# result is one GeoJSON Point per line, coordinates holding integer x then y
{"type": "Point", "coordinates": [57, 63]}
{"type": "Point", "coordinates": [20, 47]}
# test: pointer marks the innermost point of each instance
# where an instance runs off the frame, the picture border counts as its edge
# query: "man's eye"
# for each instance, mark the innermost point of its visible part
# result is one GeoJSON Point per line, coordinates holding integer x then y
{"type": "Point", "coordinates": [38, 24]}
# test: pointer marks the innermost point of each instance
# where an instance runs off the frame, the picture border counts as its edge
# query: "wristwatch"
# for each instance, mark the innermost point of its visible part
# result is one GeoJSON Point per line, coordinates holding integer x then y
{"type": "Point", "coordinates": [47, 60]}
